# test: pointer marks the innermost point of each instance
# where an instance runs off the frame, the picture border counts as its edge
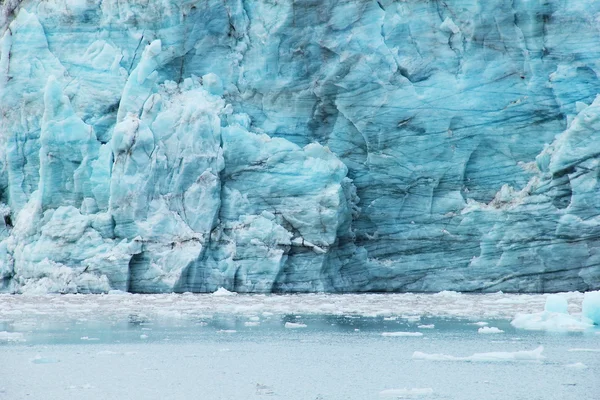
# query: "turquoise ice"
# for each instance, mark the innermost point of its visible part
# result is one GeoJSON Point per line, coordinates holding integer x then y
{"type": "Point", "coordinates": [186, 145]}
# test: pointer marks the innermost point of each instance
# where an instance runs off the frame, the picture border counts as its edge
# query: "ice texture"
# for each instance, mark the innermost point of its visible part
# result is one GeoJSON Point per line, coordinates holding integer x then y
{"type": "Point", "coordinates": [187, 145]}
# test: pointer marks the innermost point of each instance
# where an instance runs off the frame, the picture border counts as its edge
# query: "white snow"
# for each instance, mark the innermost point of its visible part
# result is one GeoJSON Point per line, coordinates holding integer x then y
{"type": "Point", "coordinates": [399, 393]}
{"type": "Point", "coordinates": [488, 329]}
{"type": "Point", "coordinates": [502, 356]}
{"type": "Point", "coordinates": [408, 334]}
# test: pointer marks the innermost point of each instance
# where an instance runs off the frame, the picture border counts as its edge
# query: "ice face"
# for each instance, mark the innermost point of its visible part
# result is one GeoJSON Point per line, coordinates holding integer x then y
{"type": "Point", "coordinates": [184, 145]}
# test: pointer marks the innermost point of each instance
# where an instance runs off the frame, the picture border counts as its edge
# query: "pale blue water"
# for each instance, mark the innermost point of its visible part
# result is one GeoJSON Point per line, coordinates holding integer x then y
{"type": "Point", "coordinates": [333, 357]}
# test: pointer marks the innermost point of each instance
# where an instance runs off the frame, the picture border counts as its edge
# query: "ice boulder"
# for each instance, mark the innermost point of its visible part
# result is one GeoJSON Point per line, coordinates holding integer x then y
{"type": "Point", "coordinates": [556, 317]}
{"type": "Point", "coordinates": [591, 306]}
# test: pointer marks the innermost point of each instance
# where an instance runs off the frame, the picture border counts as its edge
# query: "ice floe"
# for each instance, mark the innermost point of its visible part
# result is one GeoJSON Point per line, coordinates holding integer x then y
{"type": "Point", "coordinates": [402, 334]}
{"type": "Point", "coordinates": [501, 356]}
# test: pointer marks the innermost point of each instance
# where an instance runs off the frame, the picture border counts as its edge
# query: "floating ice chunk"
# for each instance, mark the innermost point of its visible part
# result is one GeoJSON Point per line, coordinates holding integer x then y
{"type": "Point", "coordinates": [591, 306]}
{"type": "Point", "coordinates": [409, 334]}
{"type": "Point", "coordinates": [489, 329]}
{"type": "Point", "coordinates": [426, 326]}
{"type": "Point", "coordinates": [223, 292]}
{"type": "Point", "coordinates": [556, 303]}
{"type": "Point", "coordinates": [481, 323]}
{"type": "Point", "coordinates": [143, 336]}
{"type": "Point", "coordinates": [227, 331]}
{"type": "Point", "coordinates": [251, 323]}
{"type": "Point", "coordinates": [294, 325]}
{"type": "Point", "coordinates": [11, 337]}
{"type": "Point", "coordinates": [498, 356]}
{"type": "Point", "coordinates": [550, 321]}
{"type": "Point", "coordinates": [577, 365]}
{"type": "Point", "coordinates": [399, 393]}
{"type": "Point", "coordinates": [89, 338]}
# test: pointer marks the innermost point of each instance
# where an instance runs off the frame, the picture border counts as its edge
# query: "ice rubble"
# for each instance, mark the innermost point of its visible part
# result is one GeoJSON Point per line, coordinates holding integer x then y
{"type": "Point", "coordinates": [193, 306]}
{"type": "Point", "coordinates": [186, 145]}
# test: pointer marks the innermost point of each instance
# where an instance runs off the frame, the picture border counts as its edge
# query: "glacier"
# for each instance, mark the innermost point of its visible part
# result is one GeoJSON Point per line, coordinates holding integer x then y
{"type": "Point", "coordinates": [299, 146]}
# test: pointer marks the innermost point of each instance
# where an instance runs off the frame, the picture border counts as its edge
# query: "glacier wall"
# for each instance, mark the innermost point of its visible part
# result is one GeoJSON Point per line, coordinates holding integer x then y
{"type": "Point", "coordinates": [306, 145]}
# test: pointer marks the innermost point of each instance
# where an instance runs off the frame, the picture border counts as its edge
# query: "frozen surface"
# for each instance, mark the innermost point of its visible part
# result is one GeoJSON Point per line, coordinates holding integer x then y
{"type": "Point", "coordinates": [187, 145]}
{"type": "Point", "coordinates": [239, 347]}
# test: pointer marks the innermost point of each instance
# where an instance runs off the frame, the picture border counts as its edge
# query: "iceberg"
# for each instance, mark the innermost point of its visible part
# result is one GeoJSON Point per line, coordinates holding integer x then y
{"type": "Point", "coordinates": [555, 316]}
{"type": "Point", "coordinates": [188, 146]}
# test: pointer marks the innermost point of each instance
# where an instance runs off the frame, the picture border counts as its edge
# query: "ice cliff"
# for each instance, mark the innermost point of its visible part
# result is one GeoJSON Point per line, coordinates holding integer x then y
{"type": "Point", "coordinates": [307, 145]}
